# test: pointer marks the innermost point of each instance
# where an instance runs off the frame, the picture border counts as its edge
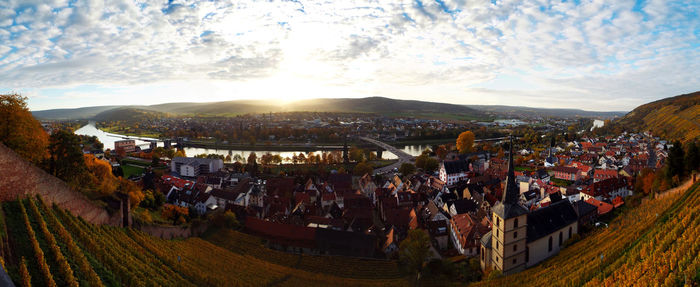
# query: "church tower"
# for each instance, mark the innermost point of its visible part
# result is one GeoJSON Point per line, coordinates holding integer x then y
{"type": "Point", "coordinates": [509, 232]}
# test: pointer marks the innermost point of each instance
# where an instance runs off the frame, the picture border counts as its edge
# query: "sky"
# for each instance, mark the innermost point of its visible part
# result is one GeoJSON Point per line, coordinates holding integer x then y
{"type": "Point", "coordinates": [587, 54]}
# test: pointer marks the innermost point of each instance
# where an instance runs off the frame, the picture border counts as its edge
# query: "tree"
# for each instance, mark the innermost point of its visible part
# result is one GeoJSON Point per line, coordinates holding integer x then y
{"type": "Point", "coordinates": [692, 157]}
{"type": "Point", "coordinates": [407, 168]}
{"type": "Point", "coordinates": [362, 169]}
{"type": "Point", "coordinates": [441, 152]}
{"type": "Point", "coordinates": [100, 173]}
{"type": "Point", "coordinates": [130, 188]}
{"type": "Point", "coordinates": [357, 154]}
{"type": "Point", "coordinates": [180, 153]}
{"type": "Point", "coordinates": [20, 131]}
{"type": "Point", "coordinates": [230, 220]}
{"type": "Point", "coordinates": [413, 251]}
{"type": "Point", "coordinates": [676, 160]}
{"type": "Point", "coordinates": [465, 142]}
{"type": "Point", "coordinates": [66, 157]}
{"type": "Point", "coordinates": [174, 213]}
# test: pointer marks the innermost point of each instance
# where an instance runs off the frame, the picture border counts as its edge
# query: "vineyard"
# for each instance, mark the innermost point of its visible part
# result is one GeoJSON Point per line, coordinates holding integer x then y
{"type": "Point", "coordinates": [655, 244]}
{"type": "Point", "coordinates": [50, 247]}
{"type": "Point", "coordinates": [246, 244]}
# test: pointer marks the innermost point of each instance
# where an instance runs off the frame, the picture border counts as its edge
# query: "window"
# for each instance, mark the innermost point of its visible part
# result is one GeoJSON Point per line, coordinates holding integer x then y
{"type": "Point", "coordinates": [560, 238]}
{"type": "Point", "coordinates": [483, 250]}
{"type": "Point", "coordinates": [515, 260]}
{"type": "Point", "coordinates": [497, 246]}
{"type": "Point", "coordinates": [515, 234]}
{"type": "Point", "coordinates": [498, 221]}
{"type": "Point", "coordinates": [515, 247]}
{"type": "Point", "coordinates": [569, 231]}
{"type": "Point", "coordinates": [515, 223]}
{"type": "Point", "coordinates": [550, 244]}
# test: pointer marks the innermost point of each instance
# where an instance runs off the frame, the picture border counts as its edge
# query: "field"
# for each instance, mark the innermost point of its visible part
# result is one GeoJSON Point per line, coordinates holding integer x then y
{"type": "Point", "coordinates": [62, 250]}
{"type": "Point", "coordinates": [655, 244]}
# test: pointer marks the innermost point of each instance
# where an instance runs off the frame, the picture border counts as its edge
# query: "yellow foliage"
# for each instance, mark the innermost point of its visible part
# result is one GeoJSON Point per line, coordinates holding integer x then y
{"type": "Point", "coordinates": [465, 142]}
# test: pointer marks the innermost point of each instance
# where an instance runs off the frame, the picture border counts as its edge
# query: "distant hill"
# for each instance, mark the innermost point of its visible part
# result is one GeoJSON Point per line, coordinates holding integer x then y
{"type": "Point", "coordinates": [71, 114]}
{"type": "Point", "coordinates": [528, 112]}
{"type": "Point", "coordinates": [378, 105]}
{"type": "Point", "coordinates": [128, 114]}
{"type": "Point", "coordinates": [675, 118]}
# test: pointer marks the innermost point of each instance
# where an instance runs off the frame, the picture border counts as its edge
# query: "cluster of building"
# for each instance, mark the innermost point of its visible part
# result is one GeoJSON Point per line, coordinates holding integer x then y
{"type": "Point", "coordinates": [476, 205]}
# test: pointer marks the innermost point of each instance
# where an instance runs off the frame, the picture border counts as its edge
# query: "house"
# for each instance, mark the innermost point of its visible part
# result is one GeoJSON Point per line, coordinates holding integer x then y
{"type": "Point", "coordinates": [462, 206]}
{"type": "Point", "coordinates": [125, 145]}
{"type": "Point", "coordinates": [603, 174]}
{"type": "Point", "coordinates": [566, 173]}
{"type": "Point", "coordinates": [439, 232]}
{"type": "Point", "coordinates": [466, 233]}
{"type": "Point", "coordinates": [603, 207]}
{"type": "Point", "coordinates": [192, 167]}
{"type": "Point", "coordinates": [453, 171]}
{"type": "Point", "coordinates": [586, 212]}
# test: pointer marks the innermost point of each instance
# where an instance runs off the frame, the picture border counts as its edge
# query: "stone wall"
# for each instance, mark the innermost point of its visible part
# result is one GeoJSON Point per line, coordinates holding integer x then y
{"type": "Point", "coordinates": [20, 178]}
{"type": "Point", "coordinates": [170, 232]}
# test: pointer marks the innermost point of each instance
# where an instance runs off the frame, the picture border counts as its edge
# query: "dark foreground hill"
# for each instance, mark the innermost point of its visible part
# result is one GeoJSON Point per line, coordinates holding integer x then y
{"type": "Point", "coordinates": [675, 118]}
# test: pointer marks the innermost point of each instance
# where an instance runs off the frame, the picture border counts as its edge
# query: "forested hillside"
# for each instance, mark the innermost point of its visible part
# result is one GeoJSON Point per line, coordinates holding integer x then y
{"type": "Point", "coordinates": [47, 246]}
{"type": "Point", "coordinates": [675, 118]}
{"type": "Point", "coordinates": [654, 244]}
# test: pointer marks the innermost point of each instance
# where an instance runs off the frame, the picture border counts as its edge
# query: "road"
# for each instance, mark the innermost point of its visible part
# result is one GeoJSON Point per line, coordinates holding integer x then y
{"type": "Point", "coordinates": [402, 155]}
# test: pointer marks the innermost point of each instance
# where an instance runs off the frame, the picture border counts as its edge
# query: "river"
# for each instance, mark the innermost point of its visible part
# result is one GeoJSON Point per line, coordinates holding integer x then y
{"type": "Point", "coordinates": [108, 140]}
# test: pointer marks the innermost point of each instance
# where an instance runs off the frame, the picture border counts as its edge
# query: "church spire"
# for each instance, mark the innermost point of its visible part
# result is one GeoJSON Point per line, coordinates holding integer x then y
{"type": "Point", "coordinates": [511, 192]}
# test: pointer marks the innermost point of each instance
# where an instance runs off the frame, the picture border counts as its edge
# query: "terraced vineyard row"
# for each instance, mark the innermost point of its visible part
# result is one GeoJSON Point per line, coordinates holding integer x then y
{"type": "Point", "coordinates": [64, 249]}
{"type": "Point", "coordinates": [655, 244]}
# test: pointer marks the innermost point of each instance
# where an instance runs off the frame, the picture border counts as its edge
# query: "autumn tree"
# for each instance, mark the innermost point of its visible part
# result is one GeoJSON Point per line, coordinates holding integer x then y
{"type": "Point", "coordinates": [465, 142]}
{"type": "Point", "coordinates": [413, 251]}
{"type": "Point", "coordinates": [174, 213]}
{"type": "Point", "coordinates": [100, 174]}
{"type": "Point", "coordinates": [20, 131]}
{"type": "Point", "coordinates": [441, 152]}
{"type": "Point", "coordinates": [130, 188]}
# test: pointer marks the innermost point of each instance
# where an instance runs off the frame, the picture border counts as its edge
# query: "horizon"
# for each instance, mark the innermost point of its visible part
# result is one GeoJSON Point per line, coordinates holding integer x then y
{"type": "Point", "coordinates": [292, 102]}
{"type": "Point", "coordinates": [584, 55]}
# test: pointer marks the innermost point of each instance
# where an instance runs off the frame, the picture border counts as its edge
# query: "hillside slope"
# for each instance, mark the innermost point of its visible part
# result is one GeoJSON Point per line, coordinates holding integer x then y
{"type": "Point", "coordinates": [675, 118]}
{"type": "Point", "coordinates": [655, 243]}
{"type": "Point", "coordinates": [128, 114]}
{"type": "Point", "coordinates": [377, 105]}
{"type": "Point", "coordinates": [60, 248]}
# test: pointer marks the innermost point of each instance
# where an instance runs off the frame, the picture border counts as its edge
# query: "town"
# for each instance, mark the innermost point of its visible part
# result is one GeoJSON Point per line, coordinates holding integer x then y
{"type": "Point", "coordinates": [558, 191]}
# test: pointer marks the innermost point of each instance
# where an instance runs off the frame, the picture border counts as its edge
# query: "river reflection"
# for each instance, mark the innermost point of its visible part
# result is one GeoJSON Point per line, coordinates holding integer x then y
{"type": "Point", "coordinates": [108, 140]}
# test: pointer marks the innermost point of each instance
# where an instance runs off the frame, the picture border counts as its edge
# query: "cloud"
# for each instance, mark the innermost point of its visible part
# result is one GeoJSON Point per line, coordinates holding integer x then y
{"type": "Point", "coordinates": [595, 49]}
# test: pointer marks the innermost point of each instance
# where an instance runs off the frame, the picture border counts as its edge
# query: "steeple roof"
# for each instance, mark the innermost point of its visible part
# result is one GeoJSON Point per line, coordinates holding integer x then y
{"type": "Point", "coordinates": [510, 203]}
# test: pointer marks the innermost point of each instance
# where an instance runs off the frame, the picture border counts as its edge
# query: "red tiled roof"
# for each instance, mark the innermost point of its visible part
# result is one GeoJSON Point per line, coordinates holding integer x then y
{"type": "Point", "coordinates": [603, 207]}
{"type": "Point", "coordinates": [176, 181]}
{"type": "Point", "coordinates": [617, 202]}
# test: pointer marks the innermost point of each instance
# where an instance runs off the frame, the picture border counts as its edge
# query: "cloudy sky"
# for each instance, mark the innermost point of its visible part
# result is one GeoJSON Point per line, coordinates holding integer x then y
{"type": "Point", "coordinates": [595, 55]}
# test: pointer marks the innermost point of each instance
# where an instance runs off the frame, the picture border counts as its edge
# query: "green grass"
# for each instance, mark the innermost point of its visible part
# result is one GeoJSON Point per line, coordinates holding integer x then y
{"type": "Point", "coordinates": [130, 170]}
